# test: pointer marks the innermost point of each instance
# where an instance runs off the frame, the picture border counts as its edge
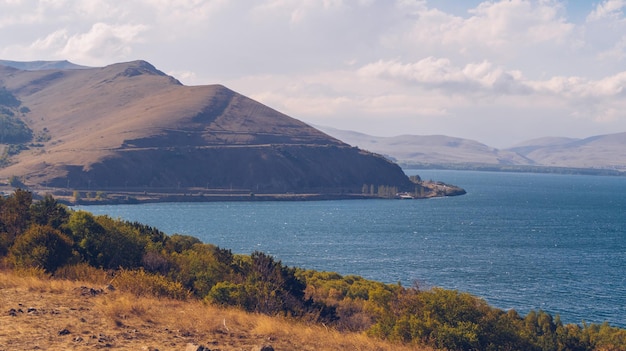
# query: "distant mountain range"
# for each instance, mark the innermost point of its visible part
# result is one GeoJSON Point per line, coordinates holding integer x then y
{"type": "Point", "coordinates": [131, 126]}
{"type": "Point", "coordinates": [602, 154]}
{"type": "Point", "coordinates": [41, 65]}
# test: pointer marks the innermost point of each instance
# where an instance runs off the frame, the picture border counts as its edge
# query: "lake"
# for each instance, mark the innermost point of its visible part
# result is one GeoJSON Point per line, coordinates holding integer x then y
{"type": "Point", "coordinates": [520, 241]}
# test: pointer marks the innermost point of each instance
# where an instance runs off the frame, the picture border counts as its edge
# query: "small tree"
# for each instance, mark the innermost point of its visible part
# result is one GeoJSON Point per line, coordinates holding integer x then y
{"type": "Point", "coordinates": [49, 211]}
{"type": "Point", "coordinates": [16, 182]}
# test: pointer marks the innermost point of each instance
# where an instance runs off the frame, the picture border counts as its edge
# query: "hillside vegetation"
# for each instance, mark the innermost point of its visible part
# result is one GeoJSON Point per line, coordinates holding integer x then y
{"type": "Point", "coordinates": [46, 238]}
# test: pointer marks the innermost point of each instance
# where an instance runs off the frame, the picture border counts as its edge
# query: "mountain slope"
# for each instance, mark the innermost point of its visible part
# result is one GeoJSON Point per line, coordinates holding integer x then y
{"type": "Point", "coordinates": [131, 125]}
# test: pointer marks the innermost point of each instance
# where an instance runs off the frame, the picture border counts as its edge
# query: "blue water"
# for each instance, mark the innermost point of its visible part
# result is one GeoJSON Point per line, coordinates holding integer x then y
{"type": "Point", "coordinates": [520, 241]}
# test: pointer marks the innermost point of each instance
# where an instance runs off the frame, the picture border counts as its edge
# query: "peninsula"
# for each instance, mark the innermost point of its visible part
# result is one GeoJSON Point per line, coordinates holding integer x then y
{"type": "Point", "coordinates": [129, 132]}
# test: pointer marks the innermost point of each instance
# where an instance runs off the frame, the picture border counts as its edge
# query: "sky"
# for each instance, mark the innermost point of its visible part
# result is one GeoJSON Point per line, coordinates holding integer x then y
{"type": "Point", "coordinates": [498, 72]}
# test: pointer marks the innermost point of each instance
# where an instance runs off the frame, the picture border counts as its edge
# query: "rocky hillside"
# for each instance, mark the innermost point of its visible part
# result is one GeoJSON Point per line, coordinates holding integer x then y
{"type": "Point", "coordinates": [129, 125]}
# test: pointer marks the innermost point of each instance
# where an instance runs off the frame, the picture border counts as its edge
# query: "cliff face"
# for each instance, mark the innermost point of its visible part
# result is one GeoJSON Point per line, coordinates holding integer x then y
{"type": "Point", "coordinates": [130, 124]}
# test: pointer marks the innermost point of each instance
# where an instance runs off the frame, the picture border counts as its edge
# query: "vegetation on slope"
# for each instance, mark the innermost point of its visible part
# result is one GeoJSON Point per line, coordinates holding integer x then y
{"type": "Point", "coordinates": [144, 261]}
{"type": "Point", "coordinates": [12, 129]}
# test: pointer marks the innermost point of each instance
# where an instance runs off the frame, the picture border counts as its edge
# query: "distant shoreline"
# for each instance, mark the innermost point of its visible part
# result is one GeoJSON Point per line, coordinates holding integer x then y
{"type": "Point", "coordinates": [514, 169]}
{"type": "Point", "coordinates": [119, 198]}
{"type": "Point", "coordinates": [140, 195]}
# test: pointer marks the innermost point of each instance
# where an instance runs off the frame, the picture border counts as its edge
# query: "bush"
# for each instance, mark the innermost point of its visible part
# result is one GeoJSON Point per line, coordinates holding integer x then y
{"type": "Point", "coordinates": [106, 243]}
{"type": "Point", "coordinates": [227, 294]}
{"type": "Point", "coordinates": [200, 268]}
{"type": "Point", "coordinates": [41, 246]}
{"type": "Point", "coordinates": [83, 272]}
{"type": "Point", "coordinates": [141, 283]}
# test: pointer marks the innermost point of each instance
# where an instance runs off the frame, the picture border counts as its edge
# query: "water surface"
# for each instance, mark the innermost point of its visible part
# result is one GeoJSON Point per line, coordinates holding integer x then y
{"type": "Point", "coordinates": [521, 241]}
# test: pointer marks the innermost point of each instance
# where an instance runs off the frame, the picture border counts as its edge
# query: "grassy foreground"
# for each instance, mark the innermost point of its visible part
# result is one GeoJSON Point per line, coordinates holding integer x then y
{"type": "Point", "coordinates": [52, 314]}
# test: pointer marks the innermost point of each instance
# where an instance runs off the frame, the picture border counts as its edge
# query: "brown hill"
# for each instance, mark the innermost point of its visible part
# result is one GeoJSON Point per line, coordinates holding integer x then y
{"type": "Point", "coordinates": [131, 125]}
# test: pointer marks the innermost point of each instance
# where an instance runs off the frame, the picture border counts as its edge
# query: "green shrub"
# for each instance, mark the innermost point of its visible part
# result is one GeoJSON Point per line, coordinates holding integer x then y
{"type": "Point", "coordinates": [200, 268]}
{"type": "Point", "coordinates": [227, 294]}
{"type": "Point", "coordinates": [41, 246]}
{"type": "Point", "coordinates": [179, 243]}
{"type": "Point", "coordinates": [141, 283]}
{"type": "Point", "coordinates": [106, 243]}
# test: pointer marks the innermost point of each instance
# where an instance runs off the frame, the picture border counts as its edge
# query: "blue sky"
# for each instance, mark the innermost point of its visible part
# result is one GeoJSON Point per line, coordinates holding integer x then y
{"type": "Point", "coordinates": [499, 72]}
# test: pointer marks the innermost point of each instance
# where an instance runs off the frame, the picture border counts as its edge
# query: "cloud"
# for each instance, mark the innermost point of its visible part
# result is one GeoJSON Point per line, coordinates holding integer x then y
{"type": "Point", "coordinates": [580, 88]}
{"type": "Point", "coordinates": [102, 43]}
{"type": "Point", "coordinates": [607, 9]}
{"type": "Point", "coordinates": [499, 29]}
{"type": "Point", "coordinates": [51, 41]}
{"type": "Point", "coordinates": [441, 73]}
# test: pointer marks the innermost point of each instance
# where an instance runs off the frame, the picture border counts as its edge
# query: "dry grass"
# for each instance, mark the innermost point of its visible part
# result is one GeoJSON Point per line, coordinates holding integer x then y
{"type": "Point", "coordinates": [49, 314]}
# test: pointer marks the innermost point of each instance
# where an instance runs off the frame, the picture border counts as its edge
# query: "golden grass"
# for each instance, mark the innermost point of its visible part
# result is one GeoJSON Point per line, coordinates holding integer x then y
{"type": "Point", "coordinates": [54, 314]}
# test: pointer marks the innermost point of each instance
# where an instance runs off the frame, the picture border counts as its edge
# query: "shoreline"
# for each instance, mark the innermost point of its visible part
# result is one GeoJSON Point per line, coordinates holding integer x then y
{"type": "Point", "coordinates": [86, 197]}
{"type": "Point", "coordinates": [119, 198]}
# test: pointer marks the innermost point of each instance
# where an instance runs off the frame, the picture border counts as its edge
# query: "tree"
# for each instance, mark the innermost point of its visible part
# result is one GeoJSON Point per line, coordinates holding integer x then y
{"type": "Point", "coordinates": [14, 217]}
{"type": "Point", "coordinates": [273, 287]}
{"type": "Point", "coordinates": [106, 243]}
{"type": "Point", "coordinates": [48, 212]}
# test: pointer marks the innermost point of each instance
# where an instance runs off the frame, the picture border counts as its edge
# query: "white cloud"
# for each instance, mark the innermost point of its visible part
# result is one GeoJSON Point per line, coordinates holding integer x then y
{"type": "Point", "coordinates": [102, 43]}
{"type": "Point", "coordinates": [442, 74]}
{"type": "Point", "coordinates": [51, 41]}
{"type": "Point", "coordinates": [607, 9]}
{"type": "Point", "coordinates": [504, 28]}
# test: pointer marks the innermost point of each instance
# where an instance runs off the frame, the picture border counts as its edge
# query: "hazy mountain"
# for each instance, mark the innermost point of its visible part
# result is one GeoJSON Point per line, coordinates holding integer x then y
{"type": "Point", "coordinates": [131, 125]}
{"type": "Point", "coordinates": [430, 149]}
{"type": "Point", "coordinates": [602, 152]}
{"type": "Point", "coordinates": [41, 65]}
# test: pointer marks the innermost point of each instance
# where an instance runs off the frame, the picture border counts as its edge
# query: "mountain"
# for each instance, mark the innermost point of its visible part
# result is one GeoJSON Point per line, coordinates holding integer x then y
{"type": "Point", "coordinates": [41, 65]}
{"type": "Point", "coordinates": [600, 151]}
{"type": "Point", "coordinates": [129, 125]}
{"type": "Point", "coordinates": [601, 154]}
{"type": "Point", "coordinates": [430, 149]}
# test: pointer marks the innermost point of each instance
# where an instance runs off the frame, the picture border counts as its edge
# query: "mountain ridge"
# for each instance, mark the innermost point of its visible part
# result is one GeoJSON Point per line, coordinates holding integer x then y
{"type": "Point", "coordinates": [553, 154]}
{"type": "Point", "coordinates": [130, 125]}
{"type": "Point", "coordinates": [41, 65]}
